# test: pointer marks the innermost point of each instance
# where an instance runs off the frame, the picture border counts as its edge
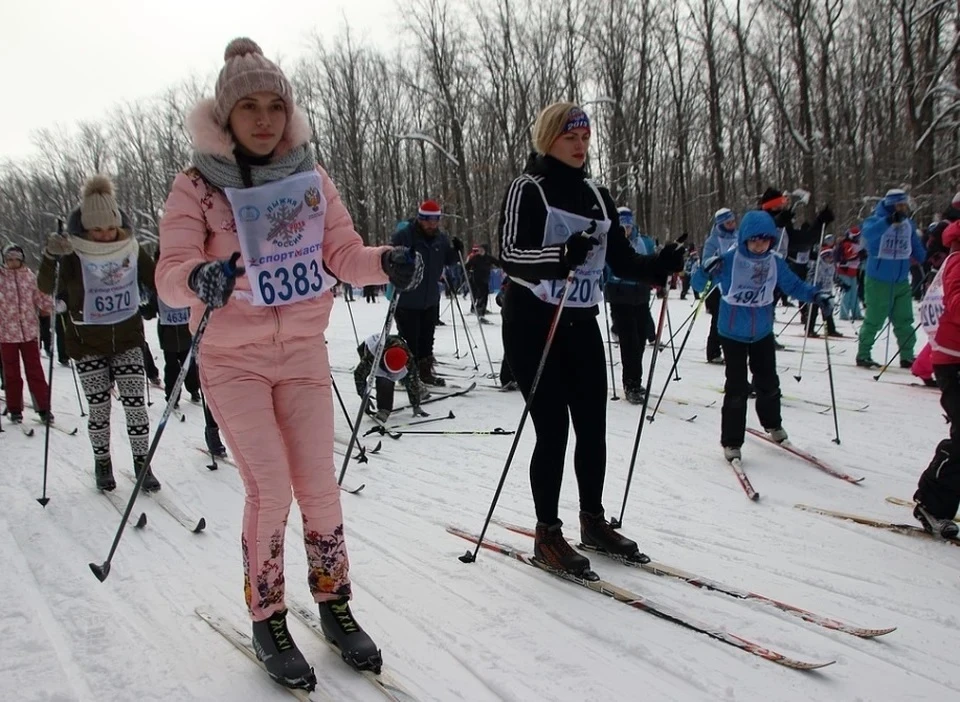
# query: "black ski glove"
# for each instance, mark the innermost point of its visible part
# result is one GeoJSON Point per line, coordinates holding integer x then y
{"type": "Point", "coordinates": [826, 215]}
{"type": "Point", "coordinates": [577, 248]}
{"type": "Point", "coordinates": [457, 245]}
{"type": "Point", "coordinates": [214, 282]}
{"type": "Point", "coordinates": [403, 266]}
{"type": "Point", "coordinates": [670, 258]}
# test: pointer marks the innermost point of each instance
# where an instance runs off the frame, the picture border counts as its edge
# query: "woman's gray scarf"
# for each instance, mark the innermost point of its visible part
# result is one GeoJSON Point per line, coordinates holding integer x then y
{"type": "Point", "coordinates": [225, 173]}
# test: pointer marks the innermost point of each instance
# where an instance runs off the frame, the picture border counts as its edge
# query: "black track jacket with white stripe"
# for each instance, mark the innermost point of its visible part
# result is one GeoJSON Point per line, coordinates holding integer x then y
{"type": "Point", "coordinates": [523, 219]}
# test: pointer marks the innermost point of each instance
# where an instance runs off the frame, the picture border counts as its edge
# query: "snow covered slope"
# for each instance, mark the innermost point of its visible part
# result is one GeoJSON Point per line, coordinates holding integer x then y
{"type": "Point", "coordinates": [496, 629]}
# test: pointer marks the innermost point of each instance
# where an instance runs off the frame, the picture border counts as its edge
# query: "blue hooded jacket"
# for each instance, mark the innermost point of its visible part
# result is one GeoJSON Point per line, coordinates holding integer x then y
{"type": "Point", "coordinates": [719, 241]}
{"type": "Point", "coordinates": [749, 324]}
{"type": "Point", "coordinates": [871, 233]}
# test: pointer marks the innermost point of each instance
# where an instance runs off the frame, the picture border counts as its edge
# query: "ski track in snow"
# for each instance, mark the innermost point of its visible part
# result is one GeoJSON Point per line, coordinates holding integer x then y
{"type": "Point", "coordinates": [496, 629]}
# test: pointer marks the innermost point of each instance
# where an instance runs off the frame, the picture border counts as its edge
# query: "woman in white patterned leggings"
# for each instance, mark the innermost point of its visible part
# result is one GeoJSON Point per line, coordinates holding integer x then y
{"type": "Point", "coordinates": [102, 269]}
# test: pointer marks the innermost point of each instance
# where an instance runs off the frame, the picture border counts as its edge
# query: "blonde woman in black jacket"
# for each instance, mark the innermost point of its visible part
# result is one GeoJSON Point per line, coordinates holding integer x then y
{"type": "Point", "coordinates": [555, 220]}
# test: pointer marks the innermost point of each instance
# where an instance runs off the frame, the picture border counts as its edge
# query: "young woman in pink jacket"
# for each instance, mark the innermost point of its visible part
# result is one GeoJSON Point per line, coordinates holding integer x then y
{"type": "Point", "coordinates": [20, 300]}
{"type": "Point", "coordinates": [255, 188]}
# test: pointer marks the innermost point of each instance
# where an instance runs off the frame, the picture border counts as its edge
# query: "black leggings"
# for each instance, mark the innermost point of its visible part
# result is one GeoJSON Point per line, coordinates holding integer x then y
{"type": "Point", "coordinates": [939, 488]}
{"type": "Point", "coordinates": [573, 386]}
{"type": "Point", "coordinates": [761, 356]}
{"type": "Point", "coordinates": [632, 330]}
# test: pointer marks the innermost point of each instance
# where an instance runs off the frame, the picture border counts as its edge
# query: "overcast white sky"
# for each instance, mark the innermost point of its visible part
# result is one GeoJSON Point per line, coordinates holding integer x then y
{"type": "Point", "coordinates": [70, 60]}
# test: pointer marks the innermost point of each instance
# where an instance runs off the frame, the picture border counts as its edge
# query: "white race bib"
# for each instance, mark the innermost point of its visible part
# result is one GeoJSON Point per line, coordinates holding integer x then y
{"type": "Point", "coordinates": [895, 244]}
{"type": "Point", "coordinates": [931, 307]}
{"type": "Point", "coordinates": [752, 281]}
{"type": "Point", "coordinates": [280, 226]}
{"type": "Point", "coordinates": [585, 289]}
{"type": "Point", "coordinates": [111, 293]}
{"type": "Point", "coordinates": [172, 316]}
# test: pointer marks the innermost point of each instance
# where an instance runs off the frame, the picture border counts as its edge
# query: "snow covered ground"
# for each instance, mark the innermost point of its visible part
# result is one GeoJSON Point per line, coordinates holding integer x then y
{"type": "Point", "coordinates": [496, 629]}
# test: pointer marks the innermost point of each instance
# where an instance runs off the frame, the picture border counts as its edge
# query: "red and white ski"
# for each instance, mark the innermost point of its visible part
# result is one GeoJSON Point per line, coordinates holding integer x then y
{"type": "Point", "coordinates": [638, 602]}
{"type": "Point", "coordinates": [808, 457]}
{"type": "Point", "coordinates": [743, 479]}
{"type": "Point", "coordinates": [707, 584]}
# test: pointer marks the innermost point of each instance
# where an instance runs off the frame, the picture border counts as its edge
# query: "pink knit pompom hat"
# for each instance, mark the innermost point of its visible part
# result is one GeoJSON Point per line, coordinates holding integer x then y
{"type": "Point", "coordinates": [246, 70]}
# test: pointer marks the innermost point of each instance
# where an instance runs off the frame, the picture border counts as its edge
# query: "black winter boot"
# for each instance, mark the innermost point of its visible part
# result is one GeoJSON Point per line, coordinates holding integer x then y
{"type": "Point", "coordinates": [427, 376]}
{"type": "Point", "coordinates": [551, 549]}
{"type": "Point", "coordinates": [596, 533]}
{"type": "Point", "coordinates": [279, 654]}
{"type": "Point", "coordinates": [150, 483]}
{"type": "Point", "coordinates": [214, 444]}
{"type": "Point", "coordinates": [341, 629]}
{"type": "Point", "coordinates": [103, 471]}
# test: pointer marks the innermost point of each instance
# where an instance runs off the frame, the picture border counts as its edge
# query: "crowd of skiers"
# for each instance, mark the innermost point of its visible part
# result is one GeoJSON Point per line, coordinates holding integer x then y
{"type": "Point", "coordinates": [251, 295]}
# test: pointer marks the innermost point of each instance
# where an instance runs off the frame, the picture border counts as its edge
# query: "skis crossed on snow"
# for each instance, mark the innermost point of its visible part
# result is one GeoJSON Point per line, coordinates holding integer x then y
{"type": "Point", "coordinates": [701, 582]}
{"type": "Point", "coordinates": [908, 529]}
{"type": "Point", "coordinates": [637, 601]}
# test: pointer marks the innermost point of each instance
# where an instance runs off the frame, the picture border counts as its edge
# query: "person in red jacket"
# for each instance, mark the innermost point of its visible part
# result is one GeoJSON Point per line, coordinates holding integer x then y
{"type": "Point", "coordinates": [20, 299]}
{"type": "Point", "coordinates": [848, 269]}
{"type": "Point", "coordinates": [938, 492]}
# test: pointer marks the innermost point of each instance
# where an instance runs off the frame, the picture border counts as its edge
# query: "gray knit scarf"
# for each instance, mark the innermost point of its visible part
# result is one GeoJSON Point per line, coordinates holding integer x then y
{"type": "Point", "coordinates": [225, 172]}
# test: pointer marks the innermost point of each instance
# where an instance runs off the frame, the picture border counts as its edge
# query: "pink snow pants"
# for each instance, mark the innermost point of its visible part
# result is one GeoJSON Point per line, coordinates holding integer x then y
{"type": "Point", "coordinates": [274, 405]}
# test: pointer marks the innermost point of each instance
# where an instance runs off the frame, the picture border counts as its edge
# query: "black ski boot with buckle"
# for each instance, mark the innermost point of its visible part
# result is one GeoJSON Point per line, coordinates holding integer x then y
{"type": "Point", "coordinates": [342, 630]}
{"type": "Point", "coordinates": [597, 535]}
{"type": "Point", "coordinates": [279, 654]}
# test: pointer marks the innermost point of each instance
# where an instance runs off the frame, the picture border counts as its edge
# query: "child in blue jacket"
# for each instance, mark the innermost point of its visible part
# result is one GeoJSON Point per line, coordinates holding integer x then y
{"type": "Point", "coordinates": [746, 277]}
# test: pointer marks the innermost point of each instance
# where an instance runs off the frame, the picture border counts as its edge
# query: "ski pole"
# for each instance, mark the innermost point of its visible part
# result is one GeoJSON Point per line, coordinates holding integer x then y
{"type": "Point", "coordinates": [371, 378]}
{"type": "Point", "coordinates": [787, 323]}
{"type": "Point", "coordinates": [491, 432]}
{"type": "Point", "coordinates": [613, 378]}
{"type": "Point", "coordinates": [361, 456]}
{"type": "Point", "coordinates": [617, 523]}
{"type": "Point", "coordinates": [469, 557]}
{"type": "Point", "coordinates": [43, 499]}
{"type": "Point", "coordinates": [476, 310]}
{"type": "Point", "coordinates": [816, 271]}
{"type": "Point", "coordinates": [352, 321]}
{"type": "Point", "coordinates": [683, 345]}
{"type": "Point", "coordinates": [466, 332]}
{"type": "Point", "coordinates": [682, 324]}
{"type": "Point", "coordinates": [382, 429]}
{"type": "Point", "coordinates": [883, 370]}
{"type": "Point", "coordinates": [833, 394]}
{"type": "Point", "coordinates": [76, 386]}
{"type": "Point", "coordinates": [453, 317]}
{"type": "Point", "coordinates": [673, 349]}
{"type": "Point", "coordinates": [102, 570]}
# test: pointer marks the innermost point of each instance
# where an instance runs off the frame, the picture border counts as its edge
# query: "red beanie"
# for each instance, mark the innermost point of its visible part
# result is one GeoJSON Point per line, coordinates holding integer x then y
{"type": "Point", "coordinates": [395, 359]}
{"type": "Point", "coordinates": [429, 209]}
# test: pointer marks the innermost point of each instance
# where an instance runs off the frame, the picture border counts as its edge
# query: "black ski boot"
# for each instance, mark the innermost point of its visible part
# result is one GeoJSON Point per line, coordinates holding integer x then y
{"type": "Point", "coordinates": [941, 528]}
{"type": "Point", "coordinates": [46, 416]}
{"type": "Point", "coordinates": [214, 444]}
{"type": "Point", "coordinates": [635, 394]}
{"type": "Point", "coordinates": [597, 534]}
{"type": "Point", "coordinates": [16, 417]}
{"type": "Point", "coordinates": [150, 483]}
{"type": "Point", "coordinates": [103, 471]}
{"type": "Point", "coordinates": [341, 629]}
{"type": "Point", "coordinates": [551, 549]}
{"type": "Point", "coordinates": [279, 654]}
{"type": "Point", "coordinates": [867, 363]}
{"type": "Point", "coordinates": [427, 374]}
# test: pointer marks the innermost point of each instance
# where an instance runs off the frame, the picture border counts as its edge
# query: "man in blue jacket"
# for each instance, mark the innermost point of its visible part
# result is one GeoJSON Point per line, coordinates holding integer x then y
{"type": "Point", "coordinates": [746, 277]}
{"type": "Point", "coordinates": [418, 309]}
{"type": "Point", "coordinates": [891, 241]}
